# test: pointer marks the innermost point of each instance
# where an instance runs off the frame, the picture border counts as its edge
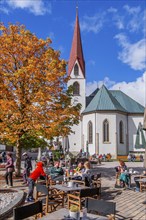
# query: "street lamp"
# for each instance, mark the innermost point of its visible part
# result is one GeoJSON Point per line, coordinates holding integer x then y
{"type": "Point", "coordinates": [87, 149]}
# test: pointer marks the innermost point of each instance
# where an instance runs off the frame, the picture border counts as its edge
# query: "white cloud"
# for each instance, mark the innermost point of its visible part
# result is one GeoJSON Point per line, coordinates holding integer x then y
{"type": "Point", "coordinates": [131, 19]}
{"type": "Point", "coordinates": [91, 86]}
{"type": "Point", "coordinates": [37, 7]}
{"type": "Point", "coordinates": [4, 10]}
{"type": "Point", "coordinates": [136, 19]}
{"type": "Point", "coordinates": [132, 10]}
{"type": "Point", "coordinates": [93, 23]}
{"type": "Point", "coordinates": [51, 35]}
{"type": "Point", "coordinates": [132, 54]}
{"type": "Point", "coordinates": [91, 63]}
{"type": "Point", "coordinates": [136, 89]}
{"type": "Point", "coordinates": [61, 49]}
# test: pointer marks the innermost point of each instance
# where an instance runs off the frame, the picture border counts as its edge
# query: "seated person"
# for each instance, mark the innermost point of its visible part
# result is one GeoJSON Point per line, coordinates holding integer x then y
{"type": "Point", "coordinates": [56, 170]}
{"type": "Point", "coordinates": [121, 173]}
{"type": "Point", "coordinates": [80, 168]}
{"type": "Point", "coordinates": [78, 171]}
{"type": "Point", "coordinates": [85, 175]}
{"type": "Point", "coordinates": [137, 183]}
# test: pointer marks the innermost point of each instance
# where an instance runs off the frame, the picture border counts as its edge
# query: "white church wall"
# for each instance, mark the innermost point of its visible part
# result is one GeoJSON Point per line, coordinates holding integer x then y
{"type": "Point", "coordinates": [109, 147]}
{"type": "Point", "coordinates": [133, 122]}
{"type": "Point", "coordinates": [121, 147]}
{"type": "Point", "coordinates": [86, 119]}
{"type": "Point", "coordinates": [75, 139]}
{"type": "Point", "coordinates": [81, 80]}
{"type": "Point", "coordinates": [102, 148]}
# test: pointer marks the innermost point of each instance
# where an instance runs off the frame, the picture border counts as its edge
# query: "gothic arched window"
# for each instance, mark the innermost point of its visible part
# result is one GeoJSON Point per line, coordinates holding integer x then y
{"type": "Point", "coordinates": [105, 131]}
{"type": "Point", "coordinates": [90, 132]}
{"type": "Point", "coordinates": [76, 70]}
{"type": "Point", "coordinates": [121, 132]}
{"type": "Point", "coordinates": [76, 88]}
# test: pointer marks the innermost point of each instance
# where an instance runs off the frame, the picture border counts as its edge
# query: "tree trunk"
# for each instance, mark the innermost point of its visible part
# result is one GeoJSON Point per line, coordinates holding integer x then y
{"type": "Point", "coordinates": [18, 159]}
{"type": "Point", "coordinates": [39, 153]}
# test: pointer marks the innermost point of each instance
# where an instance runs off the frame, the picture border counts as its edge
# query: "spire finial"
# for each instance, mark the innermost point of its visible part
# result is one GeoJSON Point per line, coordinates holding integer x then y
{"type": "Point", "coordinates": [77, 8]}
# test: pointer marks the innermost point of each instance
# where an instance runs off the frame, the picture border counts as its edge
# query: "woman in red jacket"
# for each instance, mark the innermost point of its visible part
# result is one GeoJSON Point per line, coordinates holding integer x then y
{"type": "Point", "coordinates": [39, 171]}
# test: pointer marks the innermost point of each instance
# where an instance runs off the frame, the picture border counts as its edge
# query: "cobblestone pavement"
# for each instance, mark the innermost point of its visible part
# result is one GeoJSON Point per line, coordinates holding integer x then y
{"type": "Point", "coordinates": [128, 203]}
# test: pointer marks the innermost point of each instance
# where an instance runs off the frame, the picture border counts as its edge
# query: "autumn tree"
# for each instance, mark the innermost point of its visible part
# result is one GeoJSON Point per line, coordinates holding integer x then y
{"type": "Point", "coordinates": [33, 96]}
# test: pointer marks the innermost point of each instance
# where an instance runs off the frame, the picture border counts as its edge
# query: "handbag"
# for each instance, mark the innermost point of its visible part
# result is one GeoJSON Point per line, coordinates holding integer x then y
{"type": "Point", "coordinates": [10, 169]}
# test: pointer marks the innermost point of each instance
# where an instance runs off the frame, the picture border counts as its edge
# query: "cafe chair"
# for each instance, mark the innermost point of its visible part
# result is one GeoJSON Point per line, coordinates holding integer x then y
{"type": "Point", "coordinates": [142, 184]}
{"type": "Point", "coordinates": [50, 198]}
{"type": "Point", "coordinates": [53, 180]}
{"type": "Point", "coordinates": [43, 181]}
{"type": "Point", "coordinates": [100, 207]}
{"type": "Point", "coordinates": [23, 212]}
{"type": "Point", "coordinates": [78, 182]}
{"type": "Point", "coordinates": [96, 182]}
{"type": "Point", "coordinates": [79, 197]}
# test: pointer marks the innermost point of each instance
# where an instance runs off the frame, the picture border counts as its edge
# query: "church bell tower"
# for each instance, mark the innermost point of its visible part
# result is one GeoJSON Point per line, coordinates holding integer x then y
{"type": "Point", "coordinates": [76, 71]}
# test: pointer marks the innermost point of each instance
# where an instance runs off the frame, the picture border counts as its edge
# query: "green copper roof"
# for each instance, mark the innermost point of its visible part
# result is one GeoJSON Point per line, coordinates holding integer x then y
{"type": "Point", "coordinates": [103, 100]}
{"type": "Point", "coordinates": [128, 103]}
{"type": "Point", "coordinates": [113, 100]}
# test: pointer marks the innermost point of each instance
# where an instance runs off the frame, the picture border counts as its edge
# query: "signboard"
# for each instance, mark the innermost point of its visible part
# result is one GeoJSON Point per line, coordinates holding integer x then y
{"type": "Point", "coordinates": [2, 147]}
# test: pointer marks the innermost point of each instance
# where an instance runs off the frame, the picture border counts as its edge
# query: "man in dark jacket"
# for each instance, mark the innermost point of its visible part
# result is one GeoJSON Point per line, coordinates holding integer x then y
{"type": "Point", "coordinates": [27, 167]}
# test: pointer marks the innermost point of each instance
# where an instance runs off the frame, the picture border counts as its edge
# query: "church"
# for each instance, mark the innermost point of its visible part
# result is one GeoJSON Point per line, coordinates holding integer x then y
{"type": "Point", "coordinates": [111, 121]}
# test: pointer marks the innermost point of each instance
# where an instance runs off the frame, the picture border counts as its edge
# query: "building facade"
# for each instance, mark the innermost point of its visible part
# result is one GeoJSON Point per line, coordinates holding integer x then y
{"type": "Point", "coordinates": [110, 119]}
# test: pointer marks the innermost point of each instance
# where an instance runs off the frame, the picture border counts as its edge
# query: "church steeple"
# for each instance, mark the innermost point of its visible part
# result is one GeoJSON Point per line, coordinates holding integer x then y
{"type": "Point", "coordinates": [76, 53]}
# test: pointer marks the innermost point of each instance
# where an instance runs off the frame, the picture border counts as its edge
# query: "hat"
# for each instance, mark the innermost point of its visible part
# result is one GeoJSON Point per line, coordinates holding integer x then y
{"type": "Point", "coordinates": [25, 153]}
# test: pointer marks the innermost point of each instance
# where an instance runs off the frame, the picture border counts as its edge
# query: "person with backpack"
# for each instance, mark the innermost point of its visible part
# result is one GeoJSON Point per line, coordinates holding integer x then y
{"type": "Point", "coordinates": [27, 167]}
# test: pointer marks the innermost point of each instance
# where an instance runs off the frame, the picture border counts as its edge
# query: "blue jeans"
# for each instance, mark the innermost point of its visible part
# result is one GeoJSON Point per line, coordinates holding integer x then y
{"type": "Point", "coordinates": [31, 184]}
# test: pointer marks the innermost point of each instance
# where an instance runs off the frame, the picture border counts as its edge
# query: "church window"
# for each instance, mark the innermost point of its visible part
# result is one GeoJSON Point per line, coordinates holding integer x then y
{"type": "Point", "coordinates": [121, 132]}
{"type": "Point", "coordinates": [76, 70]}
{"type": "Point", "coordinates": [76, 88]}
{"type": "Point", "coordinates": [90, 132]}
{"type": "Point", "coordinates": [105, 131]}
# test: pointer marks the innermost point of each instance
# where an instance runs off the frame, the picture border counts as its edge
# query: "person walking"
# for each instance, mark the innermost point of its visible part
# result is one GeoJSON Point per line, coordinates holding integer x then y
{"type": "Point", "coordinates": [39, 171]}
{"type": "Point", "coordinates": [9, 170]}
{"type": "Point", "coordinates": [27, 167]}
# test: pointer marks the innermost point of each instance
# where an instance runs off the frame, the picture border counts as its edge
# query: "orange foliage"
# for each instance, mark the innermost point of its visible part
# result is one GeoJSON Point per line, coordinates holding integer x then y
{"type": "Point", "coordinates": [33, 79]}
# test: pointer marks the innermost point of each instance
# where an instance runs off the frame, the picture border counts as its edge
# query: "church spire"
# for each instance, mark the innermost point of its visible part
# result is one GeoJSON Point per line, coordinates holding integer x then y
{"type": "Point", "coordinates": [76, 50]}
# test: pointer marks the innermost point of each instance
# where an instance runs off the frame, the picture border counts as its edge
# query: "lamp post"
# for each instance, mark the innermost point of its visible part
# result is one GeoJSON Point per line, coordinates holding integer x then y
{"type": "Point", "coordinates": [144, 128]}
{"type": "Point", "coordinates": [144, 123]}
{"type": "Point", "coordinates": [87, 149]}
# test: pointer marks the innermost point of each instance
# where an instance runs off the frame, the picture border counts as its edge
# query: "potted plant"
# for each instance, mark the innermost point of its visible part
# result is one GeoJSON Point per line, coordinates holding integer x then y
{"type": "Point", "coordinates": [74, 212]}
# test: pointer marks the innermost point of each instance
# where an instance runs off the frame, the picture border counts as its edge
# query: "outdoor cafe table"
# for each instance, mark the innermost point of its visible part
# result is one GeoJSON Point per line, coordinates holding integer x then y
{"type": "Point", "coordinates": [63, 213]}
{"type": "Point", "coordinates": [68, 189]}
{"type": "Point", "coordinates": [143, 180]}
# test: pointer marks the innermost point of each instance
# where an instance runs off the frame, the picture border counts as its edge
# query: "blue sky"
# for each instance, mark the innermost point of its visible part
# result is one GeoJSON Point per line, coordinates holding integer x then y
{"type": "Point", "coordinates": [113, 37]}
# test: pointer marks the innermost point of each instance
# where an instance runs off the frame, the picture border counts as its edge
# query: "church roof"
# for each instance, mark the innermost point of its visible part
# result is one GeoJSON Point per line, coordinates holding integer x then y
{"type": "Point", "coordinates": [128, 103]}
{"type": "Point", "coordinates": [76, 50]}
{"type": "Point", "coordinates": [106, 100]}
{"type": "Point", "coordinates": [91, 96]}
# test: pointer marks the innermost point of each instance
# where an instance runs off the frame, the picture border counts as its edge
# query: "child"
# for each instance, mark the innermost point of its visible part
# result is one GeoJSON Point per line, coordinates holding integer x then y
{"type": "Point", "coordinates": [39, 171]}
